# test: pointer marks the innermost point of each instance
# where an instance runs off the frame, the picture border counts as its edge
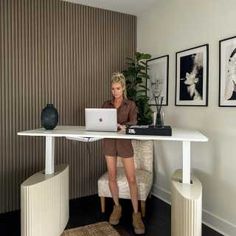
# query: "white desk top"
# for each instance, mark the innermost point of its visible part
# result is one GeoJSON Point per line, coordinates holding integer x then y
{"type": "Point", "coordinates": [79, 132]}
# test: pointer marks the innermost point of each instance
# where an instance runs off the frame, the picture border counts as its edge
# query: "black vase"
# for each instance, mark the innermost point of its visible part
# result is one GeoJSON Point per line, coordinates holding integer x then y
{"type": "Point", "coordinates": [49, 117]}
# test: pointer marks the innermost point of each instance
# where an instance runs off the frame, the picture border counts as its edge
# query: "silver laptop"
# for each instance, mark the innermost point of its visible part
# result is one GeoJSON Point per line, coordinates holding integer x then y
{"type": "Point", "coordinates": [100, 119]}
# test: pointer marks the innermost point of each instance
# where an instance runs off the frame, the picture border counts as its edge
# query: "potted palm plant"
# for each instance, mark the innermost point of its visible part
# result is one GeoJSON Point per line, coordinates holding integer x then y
{"type": "Point", "coordinates": [136, 82]}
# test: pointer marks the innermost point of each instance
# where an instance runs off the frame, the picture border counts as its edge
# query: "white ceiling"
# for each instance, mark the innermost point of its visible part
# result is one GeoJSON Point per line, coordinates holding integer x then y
{"type": "Point", "coordinates": [133, 7]}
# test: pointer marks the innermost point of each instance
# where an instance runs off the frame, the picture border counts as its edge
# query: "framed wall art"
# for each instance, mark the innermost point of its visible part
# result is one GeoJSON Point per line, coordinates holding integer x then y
{"type": "Point", "coordinates": [192, 77]}
{"type": "Point", "coordinates": [227, 72]}
{"type": "Point", "coordinates": [158, 83]}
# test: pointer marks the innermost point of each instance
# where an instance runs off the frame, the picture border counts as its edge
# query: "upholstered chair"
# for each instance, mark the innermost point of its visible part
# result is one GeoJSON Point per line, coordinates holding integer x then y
{"type": "Point", "coordinates": [143, 158]}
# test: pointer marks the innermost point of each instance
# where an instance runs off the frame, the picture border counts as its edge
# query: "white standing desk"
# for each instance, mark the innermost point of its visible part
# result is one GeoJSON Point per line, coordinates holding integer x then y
{"type": "Point", "coordinates": [182, 135]}
{"type": "Point", "coordinates": [37, 194]}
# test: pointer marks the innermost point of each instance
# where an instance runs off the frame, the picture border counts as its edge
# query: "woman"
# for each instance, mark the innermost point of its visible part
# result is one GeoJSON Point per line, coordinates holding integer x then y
{"type": "Point", "coordinates": [126, 115]}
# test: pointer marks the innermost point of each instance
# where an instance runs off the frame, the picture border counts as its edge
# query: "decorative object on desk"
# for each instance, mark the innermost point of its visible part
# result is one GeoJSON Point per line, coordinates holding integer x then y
{"type": "Point", "coordinates": [192, 77]}
{"type": "Point", "coordinates": [227, 96]}
{"type": "Point", "coordinates": [49, 117]}
{"type": "Point", "coordinates": [149, 130]}
{"type": "Point", "coordinates": [158, 71]}
{"type": "Point", "coordinates": [159, 113]}
{"type": "Point", "coordinates": [136, 81]}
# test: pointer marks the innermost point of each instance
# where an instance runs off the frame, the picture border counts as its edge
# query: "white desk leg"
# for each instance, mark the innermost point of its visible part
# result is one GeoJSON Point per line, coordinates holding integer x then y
{"type": "Point", "coordinates": [186, 162]}
{"type": "Point", "coordinates": [49, 161]}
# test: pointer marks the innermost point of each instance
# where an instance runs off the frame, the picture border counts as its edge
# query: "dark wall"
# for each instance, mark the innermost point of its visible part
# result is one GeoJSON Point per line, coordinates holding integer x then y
{"type": "Point", "coordinates": [61, 53]}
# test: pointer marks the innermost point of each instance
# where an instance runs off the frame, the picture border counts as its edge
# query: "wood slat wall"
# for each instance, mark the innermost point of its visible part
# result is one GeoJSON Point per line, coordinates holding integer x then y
{"type": "Point", "coordinates": [62, 53]}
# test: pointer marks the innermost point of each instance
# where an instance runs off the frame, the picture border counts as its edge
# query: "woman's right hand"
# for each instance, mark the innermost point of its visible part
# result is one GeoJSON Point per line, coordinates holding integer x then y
{"type": "Point", "coordinates": [121, 127]}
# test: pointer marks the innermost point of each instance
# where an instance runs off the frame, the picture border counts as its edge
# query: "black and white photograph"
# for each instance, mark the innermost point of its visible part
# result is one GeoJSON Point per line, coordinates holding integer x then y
{"type": "Point", "coordinates": [158, 83]}
{"type": "Point", "coordinates": [227, 91]}
{"type": "Point", "coordinates": [192, 77]}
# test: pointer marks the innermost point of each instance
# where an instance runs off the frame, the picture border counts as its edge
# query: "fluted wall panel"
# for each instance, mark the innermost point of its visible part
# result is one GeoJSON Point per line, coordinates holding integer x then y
{"type": "Point", "coordinates": [62, 53]}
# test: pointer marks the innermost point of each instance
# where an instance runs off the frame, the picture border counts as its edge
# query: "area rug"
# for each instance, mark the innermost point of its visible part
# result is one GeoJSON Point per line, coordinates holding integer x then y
{"type": "Point", "coordinates": [98, 229]}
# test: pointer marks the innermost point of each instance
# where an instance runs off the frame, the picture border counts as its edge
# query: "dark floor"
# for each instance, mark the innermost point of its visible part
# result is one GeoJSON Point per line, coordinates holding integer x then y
{"type": "Point", "coordinates": [86, 210]}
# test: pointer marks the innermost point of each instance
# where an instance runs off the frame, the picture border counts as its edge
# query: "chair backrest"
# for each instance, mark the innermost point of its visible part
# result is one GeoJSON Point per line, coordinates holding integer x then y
{"type": "Point", "coordinates": [143, 155]}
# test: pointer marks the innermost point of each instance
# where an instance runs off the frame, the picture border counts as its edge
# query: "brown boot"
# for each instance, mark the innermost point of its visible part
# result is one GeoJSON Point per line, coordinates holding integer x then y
{"type": "Point", "coordinates": [139, 227]}
{"type": "Point", "coordinates": [115, 215]}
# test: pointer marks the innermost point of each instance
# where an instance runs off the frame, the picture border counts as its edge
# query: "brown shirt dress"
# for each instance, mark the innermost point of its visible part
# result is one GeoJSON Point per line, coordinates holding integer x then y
{"type": "Point", "coordinates": [126, 115]}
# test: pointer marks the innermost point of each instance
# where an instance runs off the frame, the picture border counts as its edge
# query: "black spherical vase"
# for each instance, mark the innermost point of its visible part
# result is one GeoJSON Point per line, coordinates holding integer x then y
{"type": "Point", "coordinates": [49, 117]}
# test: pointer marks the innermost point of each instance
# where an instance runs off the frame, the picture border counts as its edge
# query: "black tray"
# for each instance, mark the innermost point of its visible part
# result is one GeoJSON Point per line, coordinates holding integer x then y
{"type": "Point", "coordinates": [149, 130]}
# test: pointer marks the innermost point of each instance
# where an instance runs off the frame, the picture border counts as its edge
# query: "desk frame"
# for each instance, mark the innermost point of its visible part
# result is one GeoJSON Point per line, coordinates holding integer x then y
{"type": "Point", "coordinates": [79, 132]}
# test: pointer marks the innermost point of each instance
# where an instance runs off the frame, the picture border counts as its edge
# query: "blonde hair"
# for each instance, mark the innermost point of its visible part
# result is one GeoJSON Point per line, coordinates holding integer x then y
{"type": "Point", "coordinates": [118, 77]}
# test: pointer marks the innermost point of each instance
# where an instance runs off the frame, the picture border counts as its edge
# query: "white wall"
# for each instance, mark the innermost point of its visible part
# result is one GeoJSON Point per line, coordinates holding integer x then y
{"type": "Point", "coordinates": [175, 25]}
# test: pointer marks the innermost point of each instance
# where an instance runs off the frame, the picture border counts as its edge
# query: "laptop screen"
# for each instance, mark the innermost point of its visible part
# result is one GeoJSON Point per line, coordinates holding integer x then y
{"type": "Point", "coordinates": [101, 119]}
